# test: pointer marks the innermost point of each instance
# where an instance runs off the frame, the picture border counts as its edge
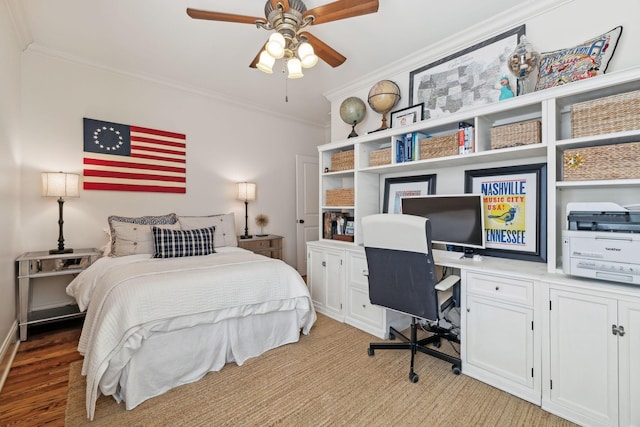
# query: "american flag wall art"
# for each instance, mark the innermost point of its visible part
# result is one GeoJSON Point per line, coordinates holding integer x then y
{"type": "Point", "coordinates": [121, 157]}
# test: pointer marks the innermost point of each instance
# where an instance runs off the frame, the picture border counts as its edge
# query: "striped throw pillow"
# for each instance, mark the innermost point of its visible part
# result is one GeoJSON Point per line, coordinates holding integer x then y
{"type": "Point", "coordinates": [180, 243]}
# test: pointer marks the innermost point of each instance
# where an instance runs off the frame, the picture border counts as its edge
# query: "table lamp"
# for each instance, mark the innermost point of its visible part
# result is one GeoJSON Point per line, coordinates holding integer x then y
{"type": "Point", "coordinates": [60, 185]}
{"type": "Point", "coordinates": [246, 192]}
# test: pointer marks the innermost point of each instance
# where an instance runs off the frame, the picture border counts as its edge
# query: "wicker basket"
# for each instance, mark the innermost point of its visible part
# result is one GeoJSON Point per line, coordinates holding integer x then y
{"type": "Point", "coordinates": [615, 113]}
{"type": "Point", "coordinates": [339, 197]}
{"type": "Point", "coordinates": [619, 161]}
{"type": "Point", "coordinates": [512, 135]}
{"type": "Point", "coordinates": [342, 160]}
{"type": "Point", "coordinates": [380, 157]}
{"type": "Point", "coordinates": [439, 146]}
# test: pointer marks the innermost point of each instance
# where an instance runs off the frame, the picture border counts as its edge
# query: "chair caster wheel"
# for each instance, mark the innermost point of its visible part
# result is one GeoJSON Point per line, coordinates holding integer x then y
{"type": "Point", "coordinates": [413, 377]}
{"type": "Point", "coordinates": [437, 344]}
{"type": "Point", "coordinates": [456, 369]}
{"type": "Point", "coordinates": [371, 352]}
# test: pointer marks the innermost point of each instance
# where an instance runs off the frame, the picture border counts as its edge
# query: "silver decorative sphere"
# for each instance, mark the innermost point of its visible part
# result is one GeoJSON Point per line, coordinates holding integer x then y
{"type": "Point", "coordinates": [383, 96]}
{"type": "Point", "coordinates": [352, 112]}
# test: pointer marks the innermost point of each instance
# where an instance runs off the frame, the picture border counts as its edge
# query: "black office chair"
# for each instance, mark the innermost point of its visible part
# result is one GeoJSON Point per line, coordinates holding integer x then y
{"type": "Point", "coordinates": [402, 277]}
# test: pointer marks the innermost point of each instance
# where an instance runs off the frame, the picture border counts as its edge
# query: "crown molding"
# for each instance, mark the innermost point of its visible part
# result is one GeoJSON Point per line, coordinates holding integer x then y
{"type": "Point", "coordinates": [484, 30]}
{"type": "Point", "coordinates": [19, 23]}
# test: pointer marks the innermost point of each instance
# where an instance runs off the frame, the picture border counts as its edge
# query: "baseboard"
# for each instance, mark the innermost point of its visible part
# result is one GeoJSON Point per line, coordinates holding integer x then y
{"type": "Point", "coordinates": [8, 351]}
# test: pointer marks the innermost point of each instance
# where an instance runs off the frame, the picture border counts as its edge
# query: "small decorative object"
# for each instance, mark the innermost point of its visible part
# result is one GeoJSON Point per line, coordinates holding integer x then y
{"type": "Point", "coordinates": [523, 63]}
{"type": "Point", "coordinates": [383, 96]}
{"type": "Point", "coordinates": [261, 221]}
{"type": "Point", "coordinates": [352, 112]}
{"type": "Point", "coordinates": [407, 116]}
{"type": "Point", "coordinates": [505, 89]}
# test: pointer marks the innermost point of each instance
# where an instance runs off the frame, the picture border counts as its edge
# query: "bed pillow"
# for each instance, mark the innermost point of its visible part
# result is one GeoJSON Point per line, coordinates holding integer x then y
{"type": "Point", "coordinates": [134, 239]}
{"type": "Point", "coordinates": [225, 224]}
{"type": "Point", "coordinates": [578, 62]}
{"type": "Point", "coordinates": [181, 243]}
{"type": "Point", "coordinates": [171, 218]}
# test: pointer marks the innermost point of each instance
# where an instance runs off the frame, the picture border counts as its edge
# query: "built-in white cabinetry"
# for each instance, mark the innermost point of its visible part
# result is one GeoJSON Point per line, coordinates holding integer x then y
{"type": "Point", "coordinates": [498, 334]}
{"type": "Point", "coordinates": [593, 369]}
{"type": "Point", "coordinates": [325, 276]}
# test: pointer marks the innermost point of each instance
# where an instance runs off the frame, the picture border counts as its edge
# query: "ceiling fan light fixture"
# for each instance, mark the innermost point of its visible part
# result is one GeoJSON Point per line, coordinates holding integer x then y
{"type": "Point", "coordinates": [307, 56]}
{"type": "Point", "coordinates": [265, 64]}
{"type": "Point", "coordinates": [295, 68]}
{"type": "Point", "coordinates": [276, 44]}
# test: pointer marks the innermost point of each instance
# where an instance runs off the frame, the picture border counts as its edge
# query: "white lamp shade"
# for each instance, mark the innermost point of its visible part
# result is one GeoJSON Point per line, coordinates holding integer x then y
{"type": "Point", "coordinates": [265, 64]}
{"type": "Point", "coordinates": [60, 184]}
{"type": "Point", "coordinates": [275, 45]}
{"type": "Point", "coordinates": [295, 68]}
{"type": "Point", "coordinates": [246, 191]}
{"type": "Point", "coordinates": [307, 56]}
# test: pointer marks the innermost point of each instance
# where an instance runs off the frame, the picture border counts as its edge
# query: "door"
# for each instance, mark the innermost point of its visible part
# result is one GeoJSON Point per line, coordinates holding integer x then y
{"type": "Point", "coordinates": [307, 207]}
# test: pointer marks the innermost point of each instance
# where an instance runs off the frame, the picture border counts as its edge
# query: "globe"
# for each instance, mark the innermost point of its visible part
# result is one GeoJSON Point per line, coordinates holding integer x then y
{"type": "Point", "coordinates": [383, 96]}
{"type": "Point", "coordinates": [352, 112]}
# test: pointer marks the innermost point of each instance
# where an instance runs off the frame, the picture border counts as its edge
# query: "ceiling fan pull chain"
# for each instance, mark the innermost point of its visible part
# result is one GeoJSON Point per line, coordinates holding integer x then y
{"type": "Point", "coordinates": [286, 90]}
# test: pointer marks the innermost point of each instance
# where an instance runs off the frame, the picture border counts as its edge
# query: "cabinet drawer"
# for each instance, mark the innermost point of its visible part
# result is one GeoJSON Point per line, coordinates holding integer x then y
{"type": "Point", "coordinates": [501, 288]}
{"type": "Point", "coordinates": [358, 270]}
{"type": "Point", "coordinates": [361, 308]}
{"type": "Point", "coordinates": [257, 245]}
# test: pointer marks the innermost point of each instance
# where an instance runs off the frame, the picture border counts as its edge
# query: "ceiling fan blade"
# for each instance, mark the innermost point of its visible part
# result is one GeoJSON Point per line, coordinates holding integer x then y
{"type": "Point", "coordinates": [219, 16]}
{"type": "Point", "coordinates": [324, 51]}
{"type": "Point", "coordinates": [341, 9]}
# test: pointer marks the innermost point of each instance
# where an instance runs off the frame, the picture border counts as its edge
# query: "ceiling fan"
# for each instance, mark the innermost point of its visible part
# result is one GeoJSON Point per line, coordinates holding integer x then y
{"type": "Point", "coordinates": [288, 18]}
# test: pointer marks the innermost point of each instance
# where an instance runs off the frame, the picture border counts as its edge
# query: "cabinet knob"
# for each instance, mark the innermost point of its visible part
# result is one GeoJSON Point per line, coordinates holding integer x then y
{"type": "Point", "coordinates": [364, 306]}
{"type": "Point", "coordinates": [365, 273]}
{"type": "Point", "coordinates": [468, 310]}
{"type": "Point", "coordinates": [324, 263]}
{"type": "Point", "coordinates": [497, 288]}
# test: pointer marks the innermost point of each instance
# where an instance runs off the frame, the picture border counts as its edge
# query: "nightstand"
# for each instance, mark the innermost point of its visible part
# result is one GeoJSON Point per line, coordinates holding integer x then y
{"type": "Point", "coordinates": [32, 265]}
{"type": "Point", "coordinates": [269, 245]}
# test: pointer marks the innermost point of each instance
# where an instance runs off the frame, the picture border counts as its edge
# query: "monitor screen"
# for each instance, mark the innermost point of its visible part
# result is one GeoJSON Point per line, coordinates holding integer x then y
{"type": "Point", "coordinates": [455, 219]}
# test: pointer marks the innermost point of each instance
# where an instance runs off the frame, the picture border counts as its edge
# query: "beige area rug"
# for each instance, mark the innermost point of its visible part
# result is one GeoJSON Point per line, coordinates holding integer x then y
{"type": "Point", "coordinates": [325, 379]}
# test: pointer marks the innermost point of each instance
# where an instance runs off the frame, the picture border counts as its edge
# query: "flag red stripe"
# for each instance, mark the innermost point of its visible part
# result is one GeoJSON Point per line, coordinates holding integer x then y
{"type": "Point", "coordinates": [157, 141]}
{"type": "Point", "coordinates": [150, 157]}
{"type": "Point", "coordinates": [90, 161]}
{"type": "Point", "coordinates": [129, 175]}
{"type": "Point", "coordinates": [132, 187]}
{"type": "Point", "coordinates": [157, 150]}
{"type": "Point", "coordinates": [158, 132]}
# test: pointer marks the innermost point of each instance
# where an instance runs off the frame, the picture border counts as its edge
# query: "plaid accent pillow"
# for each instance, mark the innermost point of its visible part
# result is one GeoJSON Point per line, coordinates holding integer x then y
{"type": "Point", "coordinates": [180, 243]}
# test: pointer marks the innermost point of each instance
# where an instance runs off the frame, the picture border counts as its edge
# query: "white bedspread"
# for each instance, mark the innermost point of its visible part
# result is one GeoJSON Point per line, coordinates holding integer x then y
{"type": "Point", "coordinates": [129, 298]}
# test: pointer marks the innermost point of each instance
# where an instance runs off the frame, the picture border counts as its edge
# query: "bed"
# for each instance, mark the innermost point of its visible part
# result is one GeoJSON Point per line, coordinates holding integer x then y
{"type": "Point", "coordinates": [156, 322]}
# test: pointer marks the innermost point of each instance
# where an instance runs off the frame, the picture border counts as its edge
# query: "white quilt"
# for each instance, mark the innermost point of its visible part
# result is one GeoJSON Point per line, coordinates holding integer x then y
{"type": "Point", "coordinates": [128, 299]}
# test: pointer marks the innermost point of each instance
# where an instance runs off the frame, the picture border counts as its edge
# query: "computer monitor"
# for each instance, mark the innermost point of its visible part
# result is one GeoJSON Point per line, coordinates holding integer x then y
{"type": "Point", "coordinates": [456, 220]}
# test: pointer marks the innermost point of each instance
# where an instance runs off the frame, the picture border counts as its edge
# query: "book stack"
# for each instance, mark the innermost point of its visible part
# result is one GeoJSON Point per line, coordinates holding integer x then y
{"type": "Point", "coordinates": [408, 146]}
{"type": "Point", "coordinates": [466, 138]}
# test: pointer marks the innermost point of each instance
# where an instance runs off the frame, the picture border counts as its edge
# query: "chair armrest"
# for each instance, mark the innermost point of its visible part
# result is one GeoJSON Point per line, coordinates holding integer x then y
{"type": "Point", "coordinates": [447, 282]}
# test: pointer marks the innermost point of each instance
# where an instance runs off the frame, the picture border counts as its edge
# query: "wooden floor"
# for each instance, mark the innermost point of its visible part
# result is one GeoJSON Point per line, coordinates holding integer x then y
{"type": "Point", "coordinates": [35, 391]}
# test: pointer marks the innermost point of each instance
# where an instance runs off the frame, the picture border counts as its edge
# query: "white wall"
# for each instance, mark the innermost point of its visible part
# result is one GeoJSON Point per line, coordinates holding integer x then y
{"type": "Point", "coordinates": [9, 174]}
{"type": "Point", "coordinates": [550, 25]}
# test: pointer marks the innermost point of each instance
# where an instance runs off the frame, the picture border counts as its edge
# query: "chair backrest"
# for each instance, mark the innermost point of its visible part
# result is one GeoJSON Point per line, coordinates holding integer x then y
{"type": "Point", "coordinates": [402, 273]}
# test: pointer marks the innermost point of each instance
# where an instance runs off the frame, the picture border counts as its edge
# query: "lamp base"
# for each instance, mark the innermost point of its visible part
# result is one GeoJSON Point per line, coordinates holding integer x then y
{"type": "Point", "coordinates": [246, 236]}
{"type": "Point", "coordinates": [60, 251]}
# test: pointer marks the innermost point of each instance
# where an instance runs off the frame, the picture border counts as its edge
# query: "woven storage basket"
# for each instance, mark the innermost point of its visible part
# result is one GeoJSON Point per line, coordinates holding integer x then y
{"type": "Point", "coordinates": [614, 113]}
{"type": "Point", "coordinates": [619, 161]}
{"type": "Point", "coordinates": [380, 157]}
{"type": "Point", "coordinates": [439, 146]}
{"type": "Point", "coordinates": [512, 135]}
{"type": "Point", "coordinates": [342, 160]}
{"type": "Point", "coordinates": [340, 197]}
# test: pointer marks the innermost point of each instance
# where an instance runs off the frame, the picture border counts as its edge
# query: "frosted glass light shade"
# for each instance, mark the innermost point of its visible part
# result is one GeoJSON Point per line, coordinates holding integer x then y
{"type": "Point", "coordinates": [275, 45]}
{"type": "Point", "coordinates": [307, 56]}
{"type": "Point", "coordinates": [295, 68]}
{"type": "Point", "coordinates": [246, 191]}
{"type": "Point", "coordinates": [60, 184]}
{"type": "Point", "coordinates": [265, 64]}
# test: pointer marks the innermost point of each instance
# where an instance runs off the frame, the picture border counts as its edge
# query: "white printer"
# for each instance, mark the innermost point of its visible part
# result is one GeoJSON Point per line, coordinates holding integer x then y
{"type": "Point", "coordinates": [602, 242]}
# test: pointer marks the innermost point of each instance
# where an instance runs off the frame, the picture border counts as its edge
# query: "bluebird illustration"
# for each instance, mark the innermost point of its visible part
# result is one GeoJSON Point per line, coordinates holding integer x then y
{"type": "Point", "coordinates": [506, 217]}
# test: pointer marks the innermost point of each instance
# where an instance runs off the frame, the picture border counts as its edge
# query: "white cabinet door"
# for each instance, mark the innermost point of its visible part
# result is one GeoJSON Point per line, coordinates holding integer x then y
{"type": "Point", "coordinates": [583, 357]}
{"type": "Point", "coordinates": [629, 359]}
{"type": "Point", "coordinates": [500, 340]}
{"type": "Point", "coordinates": [325, 274]}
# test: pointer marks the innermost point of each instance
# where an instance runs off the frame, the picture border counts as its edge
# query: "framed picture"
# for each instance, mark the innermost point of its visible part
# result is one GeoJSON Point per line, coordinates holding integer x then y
{"type": "Point", "coordinates": [465, 79]}
{"type": "Point", "coordinates": [406, 186]}
{"type": "Point", "coordinates": [515, 210]}
{"type": "Point", "coordinates": [406, 116]}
